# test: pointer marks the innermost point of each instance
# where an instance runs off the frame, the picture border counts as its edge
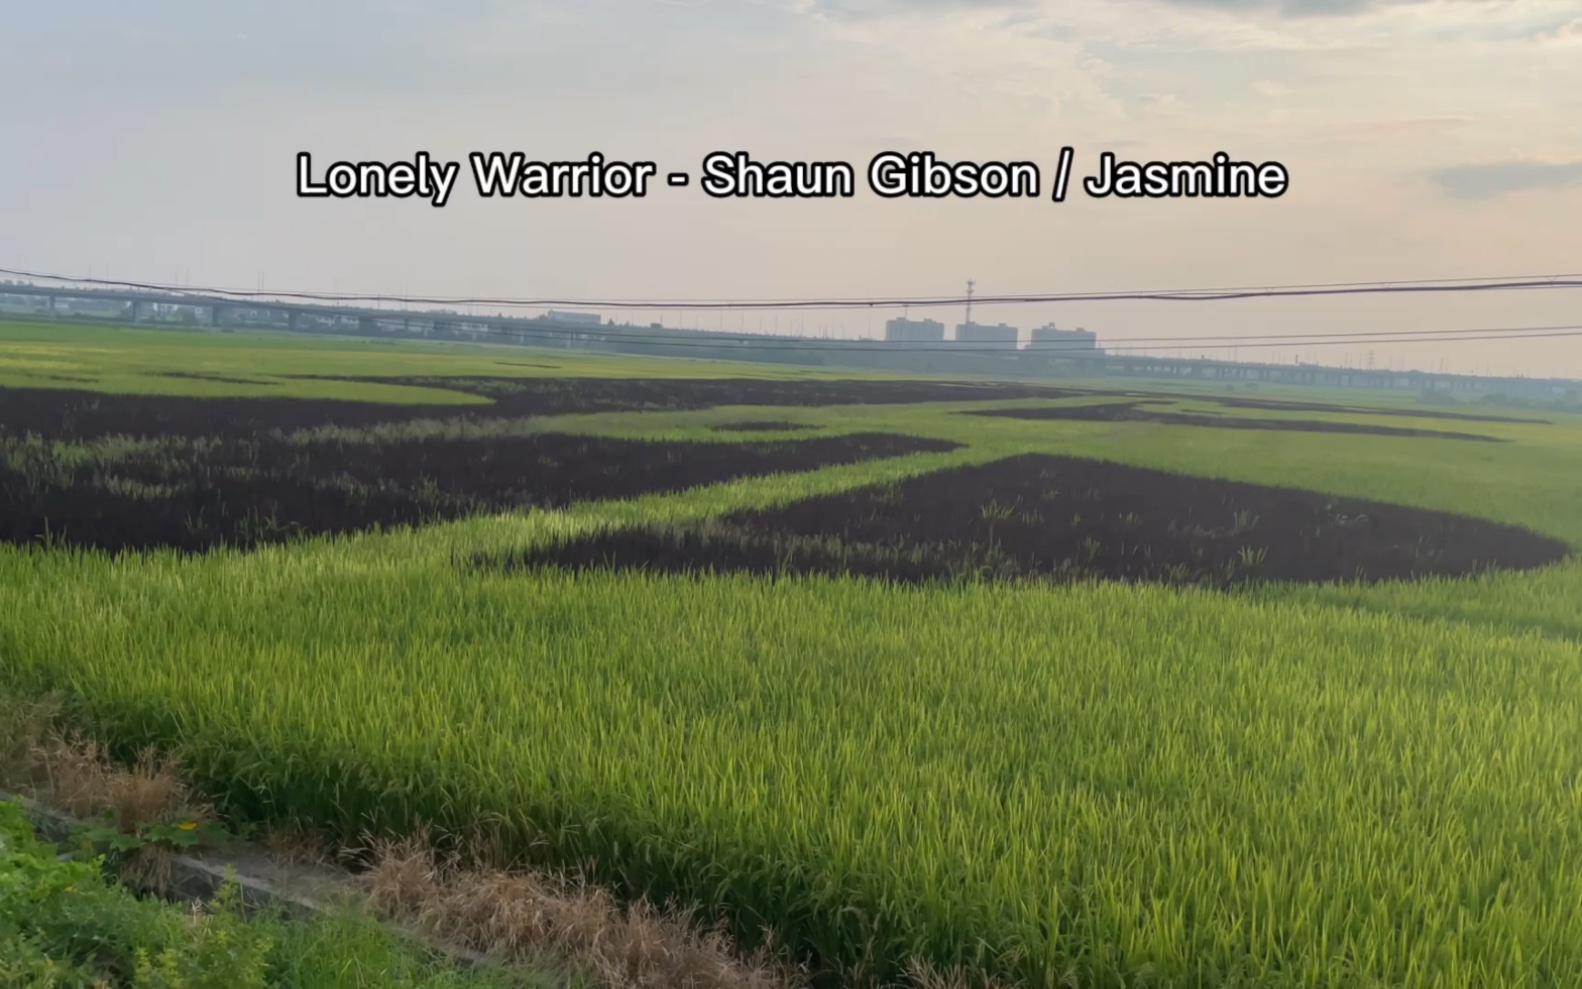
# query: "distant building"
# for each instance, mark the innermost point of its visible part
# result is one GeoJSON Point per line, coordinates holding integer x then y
{"type": "Point", "coordinates": [581, 318]}
{"type": "Point", "coordinates": [914, 331]}
{"type": "Point", "coordinates": [999, 335]}
{"type": "Point", "coordinates": [1077, 341]}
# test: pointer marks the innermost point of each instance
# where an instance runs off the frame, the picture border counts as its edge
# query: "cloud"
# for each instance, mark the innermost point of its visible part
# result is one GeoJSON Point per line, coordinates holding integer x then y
{"type": "Point", "coordinates": [1289, 7]}
{"type": "Point", "coordinates": [1197, 26]}
{"type": "Point", "coordinates": [1485, 181]}
{"type": "Point", "coordinates": [1340, 9]}
{"type": "Point", "coordinates": [1303, 8]}
{"type": "Point", "coordinates": [1293, 9]}
{"type": "Point", "coordinates": [1568, 33]}
{"type": "Point", "coordinates": [396, 49]}
{"type": "Point", "coordinates": [862, 7]}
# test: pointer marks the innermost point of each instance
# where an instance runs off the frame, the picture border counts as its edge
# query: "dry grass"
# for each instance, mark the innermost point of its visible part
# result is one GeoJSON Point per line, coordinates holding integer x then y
{"type": "Point", "coordinates": [534, 916]}
{"type": "Point", "coordinates": [921, 975]}
{"type": "Point", "coordinates": [462, 899]}
{"type": "Point", "coordinates": [81, 780]}
{"type": "Point", "coordinates": [298, 843]}
{"type": "Point", "coordinates": [24, 727]}
{"type": "Point", "coordinates": [72, 773]}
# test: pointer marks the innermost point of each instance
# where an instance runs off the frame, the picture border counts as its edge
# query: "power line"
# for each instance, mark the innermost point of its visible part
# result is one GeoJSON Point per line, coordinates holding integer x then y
{"type": "Point", "coordinates": [701, 339]}
{"type": "Point", "coordinates": [1507, 283]}
{"type": "Point", "coordinates": [762, 344]}
{"type": "Point", "coordinates": [1347, 336]}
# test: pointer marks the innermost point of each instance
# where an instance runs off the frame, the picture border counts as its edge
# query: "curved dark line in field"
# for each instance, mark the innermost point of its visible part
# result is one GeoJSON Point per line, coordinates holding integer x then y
{"type": "Point", "coordinates": [1280, 405]}
{"type": "Point", "coordinates": [1275, 406]}
{"type": "Point", "coordinates": [81, 414]}
{"type": "Point", "coordinates": [201, 376]}
{"type": "Point", "coordinates": [698, 393]}
{"type": "Point", "coordinates": [1132, 412]}
{"type": "Point", "coordinates": [765, 426]}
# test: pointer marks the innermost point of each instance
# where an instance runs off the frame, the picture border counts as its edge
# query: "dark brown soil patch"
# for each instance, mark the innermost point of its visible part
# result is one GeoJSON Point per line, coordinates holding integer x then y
{"type": "Point", "coordinates": [192, 495]}
{"type": "Point", "coordinates": [199, 376]}
{"type": "Point", "coordinates": [1038, 516]}
{"type": "Point", "coordinates": [76, 415]}
{"type": "Point", "coordinates": [1253, 403]}
{"type": "Point", "coordinates": [558, 396]}
{"type": "Point", "coordinates": [1134, 412]}
{"type": "Point", "coordinates": [69, 414]}
{"type": "Point", "coordinates": [1280, 405]}
{"type": "Point", "coordinates": [763, 426]}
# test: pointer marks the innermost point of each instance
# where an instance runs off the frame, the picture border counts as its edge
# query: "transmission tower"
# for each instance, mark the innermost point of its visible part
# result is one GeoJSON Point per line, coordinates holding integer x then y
{"type": "Point", "coordinates": [970, 284]}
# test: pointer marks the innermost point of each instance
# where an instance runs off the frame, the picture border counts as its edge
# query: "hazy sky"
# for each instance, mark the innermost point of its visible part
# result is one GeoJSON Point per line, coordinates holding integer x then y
{"type": "Point", "coordinates": [1424, 140]}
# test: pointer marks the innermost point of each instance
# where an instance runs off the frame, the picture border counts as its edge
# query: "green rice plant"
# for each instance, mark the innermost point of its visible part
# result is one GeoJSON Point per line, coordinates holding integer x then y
{"type": "Point", "coordinates": [1334, 787]}
{"type": "Point", "coordinates": [1360, 800]}
{"type": "Point", "coordinates": [1252, 556]}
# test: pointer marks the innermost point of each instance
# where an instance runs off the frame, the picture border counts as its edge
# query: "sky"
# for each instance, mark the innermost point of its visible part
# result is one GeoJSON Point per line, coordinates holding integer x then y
{"type": "Point", "coordinates": [1423, 138]}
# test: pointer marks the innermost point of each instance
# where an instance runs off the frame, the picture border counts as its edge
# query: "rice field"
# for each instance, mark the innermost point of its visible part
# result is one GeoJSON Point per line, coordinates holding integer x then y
{"type": "Point", "coordinates": [1091, 783]}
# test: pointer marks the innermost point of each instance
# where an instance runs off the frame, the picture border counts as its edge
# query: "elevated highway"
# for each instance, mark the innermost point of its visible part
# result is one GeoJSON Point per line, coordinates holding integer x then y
{"type": "Point", "coordinates": [220, 312]}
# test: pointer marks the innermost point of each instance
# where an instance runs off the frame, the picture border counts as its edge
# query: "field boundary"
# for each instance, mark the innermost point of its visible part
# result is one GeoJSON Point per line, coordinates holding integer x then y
{"type": "Point", "coordinates": [195, 878]}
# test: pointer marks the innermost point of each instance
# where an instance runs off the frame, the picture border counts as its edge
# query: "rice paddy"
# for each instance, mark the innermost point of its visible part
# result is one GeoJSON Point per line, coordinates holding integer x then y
{"type": "Point", "coordinates": [1088, 781]}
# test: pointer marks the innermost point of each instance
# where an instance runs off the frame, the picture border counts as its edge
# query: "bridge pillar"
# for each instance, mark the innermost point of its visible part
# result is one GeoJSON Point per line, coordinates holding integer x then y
{"type": "Point", "coordinates": [137, 310]}
{"type": "Point", "coordinates": [367, 324]}
{"type": "Point", "coordinates": [219, 315]}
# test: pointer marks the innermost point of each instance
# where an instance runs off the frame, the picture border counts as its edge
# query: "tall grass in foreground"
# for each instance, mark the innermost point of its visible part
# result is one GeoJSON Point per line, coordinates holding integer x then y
{"type": "Point", "coordinates": [1330, 787]}
{"type": "Point", "coordinates": [1099, 781]}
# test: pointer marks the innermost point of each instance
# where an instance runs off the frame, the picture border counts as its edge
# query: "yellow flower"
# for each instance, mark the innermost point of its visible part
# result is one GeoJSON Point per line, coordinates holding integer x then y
{"type": "Point", "coordinates": [188, 825]}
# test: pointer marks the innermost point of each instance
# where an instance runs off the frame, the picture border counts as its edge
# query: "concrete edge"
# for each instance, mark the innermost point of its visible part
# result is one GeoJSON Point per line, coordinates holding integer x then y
{"type": "Point", "coordinates": [199, 879]}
